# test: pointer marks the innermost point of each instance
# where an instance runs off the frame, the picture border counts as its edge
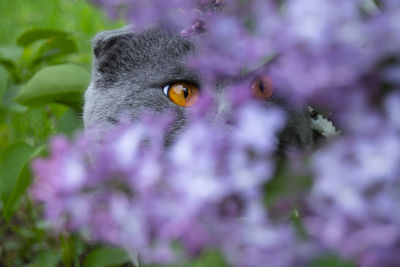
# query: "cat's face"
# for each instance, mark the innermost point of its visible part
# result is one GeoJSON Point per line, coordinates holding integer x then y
{"type": "Point", "coordinates": [133, 73]}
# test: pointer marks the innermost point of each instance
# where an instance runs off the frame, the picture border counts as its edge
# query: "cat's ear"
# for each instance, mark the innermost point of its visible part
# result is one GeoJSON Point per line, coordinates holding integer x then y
{"type": "Point", "coordinates": [106, 39]}
{"type": "Point", "coordinates": [110, 49]}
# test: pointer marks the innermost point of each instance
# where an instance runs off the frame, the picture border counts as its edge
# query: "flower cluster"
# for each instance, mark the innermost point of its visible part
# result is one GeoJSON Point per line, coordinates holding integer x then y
{"type": "Point", "coordinates": [354, 200]}
{"type": "Point", "coordinates": [206, 189]}
{"type": "Point", "coordinates": [204, 192]}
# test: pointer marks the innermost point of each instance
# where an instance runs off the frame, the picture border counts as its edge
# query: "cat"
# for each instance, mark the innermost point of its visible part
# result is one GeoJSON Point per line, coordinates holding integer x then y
{"type": "Point", "coordinates": [131, 73]}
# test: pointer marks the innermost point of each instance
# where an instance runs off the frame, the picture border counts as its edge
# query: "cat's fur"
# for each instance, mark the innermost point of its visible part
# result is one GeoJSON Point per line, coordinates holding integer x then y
{"type": "Point", "coordinates": [130, 70]}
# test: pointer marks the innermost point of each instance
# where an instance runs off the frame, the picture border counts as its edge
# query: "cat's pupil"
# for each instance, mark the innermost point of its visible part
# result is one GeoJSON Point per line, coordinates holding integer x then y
{"type": "Point", "coordinates": [185, 92]}
{"type": "Point", "coordinates": [261, 86]}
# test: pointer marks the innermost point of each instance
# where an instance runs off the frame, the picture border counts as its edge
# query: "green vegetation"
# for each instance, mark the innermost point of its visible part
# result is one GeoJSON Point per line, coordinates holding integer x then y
{"type": "Point", "coordinates": [75, 16]}
{"type": "Point", "coordinates": [42, 42]}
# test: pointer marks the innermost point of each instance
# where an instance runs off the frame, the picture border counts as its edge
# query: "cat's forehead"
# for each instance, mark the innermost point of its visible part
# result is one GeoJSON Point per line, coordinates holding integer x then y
{"type": "Point", "coordinates": [154, 56]}
{"type": "Point", "coordinates": [153, 45]}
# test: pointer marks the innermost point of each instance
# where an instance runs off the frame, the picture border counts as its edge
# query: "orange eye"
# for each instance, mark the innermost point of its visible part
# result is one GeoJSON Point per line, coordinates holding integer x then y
{"type": "Point", "coordinates": [182, 94]}
{"type": "Point", "coordinates": [262, 88]}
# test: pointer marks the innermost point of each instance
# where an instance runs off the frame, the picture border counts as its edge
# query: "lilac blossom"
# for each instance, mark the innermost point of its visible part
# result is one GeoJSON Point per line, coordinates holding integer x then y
{"type": "Point", "coordinates": [355, 197]}
{"type": "Point", "coordinates": [206, 191]}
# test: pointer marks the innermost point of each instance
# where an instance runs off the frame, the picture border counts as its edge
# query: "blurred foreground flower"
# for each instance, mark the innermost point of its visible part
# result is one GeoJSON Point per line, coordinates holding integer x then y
{"type": "Point", "coordinates": [204, 192]}
{"type": "Point", "coordinates": [356, 195]}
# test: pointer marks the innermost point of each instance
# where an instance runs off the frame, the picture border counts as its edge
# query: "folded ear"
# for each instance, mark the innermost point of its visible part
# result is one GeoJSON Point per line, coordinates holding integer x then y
{"type": "Point", "coordinates": [111, 50]}
{"type": "Point", "coordinates": [104, 40]}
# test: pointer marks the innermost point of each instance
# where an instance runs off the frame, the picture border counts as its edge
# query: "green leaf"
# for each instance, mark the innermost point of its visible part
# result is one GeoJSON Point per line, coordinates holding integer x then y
{"type": "Point", "coordinates": [33, 35]}
{"type": "Point", "coordinates": [8, 64]}
{"type": "Point", "coordinates": [68, 250]}
{"type": "Point", "coordinates": [63, 84]}
{"type": "Point", "coordinates": [210, 258]}
{"type": "Point", "coordinates": [10, 56]}
{"type": "Point", "coordinates": [3, 82]}
{"type": "Point", "coordinates": [56, 47]}
{"type": "Point", "coordinates": [22, 182]}
{"type": "Point", "coordinates": [69, 122]}
{"type": "Point", "coordinates": [9, 97]}
{"type": "Point", "coordinates": [331, 260]}
{"type": "Point", "coordinates": [103, 257]}
{"type": "Point", "coordinates": [13, 160]}
{"type": "Point", "coordinates": [286, 185]}
{"type": "Point", "coordinates": [47, 258]}
{"type": "Point", "coordinates": [11, 53]}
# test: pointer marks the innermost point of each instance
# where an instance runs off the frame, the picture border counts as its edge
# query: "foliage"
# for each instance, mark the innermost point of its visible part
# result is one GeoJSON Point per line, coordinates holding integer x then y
{"type": "Point", "coordinates": [39, 41]}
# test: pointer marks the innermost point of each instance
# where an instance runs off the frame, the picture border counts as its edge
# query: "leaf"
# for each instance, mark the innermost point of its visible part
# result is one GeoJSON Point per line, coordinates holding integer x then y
{"type": "Point", "coordinates": [285, 185]}
{"type": "Point", "coordinates": [331, 260]}
{"type": "Point", "coordinates": [33, 35]}
{"type": "Point", "coordinates": [9, 97]}
{"type": "Point", "coordinates": [11, 53]}
{"type": "Point", "coordinates": [14, 157]}
{"type": "Point", "coordinates": [8, 64]}
{"type": "Point", "coordinates": [103, 257]}
{"type": "Point", "coordinates": [68, 250]}
{"type": "Point", "coordinates": [47, 258]}
{"type": "Point", "coordinates": [63, 84]}
{"type": "Point", "coordinates": [9, 56]}
{"type": "Point", "coordinates": [3, 82]}
{"type": "Point", "coordinates": [69, 122]}
{"type": "Point", "coordinates": [56, 47]}
{"type": "Point", "coordinates": [210, 258]}
{"type": "Point", "coordinates": [22, 182]}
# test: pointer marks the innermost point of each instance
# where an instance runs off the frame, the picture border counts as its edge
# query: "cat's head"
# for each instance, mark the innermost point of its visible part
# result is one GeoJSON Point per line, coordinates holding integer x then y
{"type": "Point", "coordinates": [132, 73]}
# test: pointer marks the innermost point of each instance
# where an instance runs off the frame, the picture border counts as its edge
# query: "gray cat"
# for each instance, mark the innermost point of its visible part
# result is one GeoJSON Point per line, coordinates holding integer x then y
{"type": "Point", "coordinates": [131, 70]}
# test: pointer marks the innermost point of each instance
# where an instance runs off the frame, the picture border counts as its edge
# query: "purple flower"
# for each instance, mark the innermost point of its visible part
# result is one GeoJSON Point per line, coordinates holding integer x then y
{"type": "Point", "coordinates": [356, 190]}
{"type": "Point", "coordinates": [132, 192]}
{"type": "Point", "coordinates": [206, 190]}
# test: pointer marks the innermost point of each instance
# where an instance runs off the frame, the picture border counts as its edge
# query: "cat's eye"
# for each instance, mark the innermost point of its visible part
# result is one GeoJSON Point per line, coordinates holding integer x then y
{"type": "Point", "coordinates": [182, 93]}
{"type": "Point", "coordinates": [262, 88]}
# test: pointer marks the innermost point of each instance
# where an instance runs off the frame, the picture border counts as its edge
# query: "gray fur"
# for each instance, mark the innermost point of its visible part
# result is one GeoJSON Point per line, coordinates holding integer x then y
{"type": "Point", "coordinates": [130, 70]}
{"type": "Point", "coordinates": [128, 73]}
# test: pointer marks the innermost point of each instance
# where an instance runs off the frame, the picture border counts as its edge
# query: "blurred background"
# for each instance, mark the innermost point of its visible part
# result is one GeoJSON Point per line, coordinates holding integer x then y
{"type": "Point", "coordinates": [76, 16]}
{"type": "Point", "coordinates": [35, 36]}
